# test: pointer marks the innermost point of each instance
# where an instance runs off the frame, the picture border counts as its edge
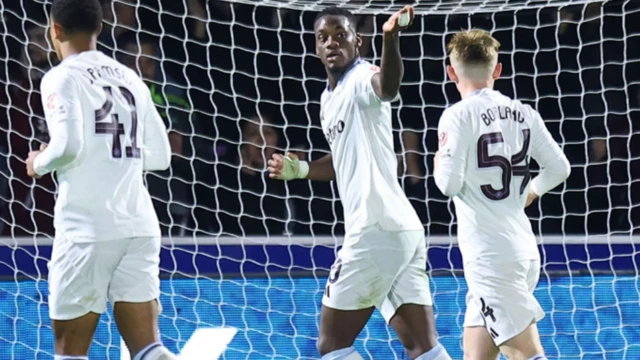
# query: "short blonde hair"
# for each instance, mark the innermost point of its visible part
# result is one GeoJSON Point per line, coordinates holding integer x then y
{"type": "Point", "coordinates": [474, 49]}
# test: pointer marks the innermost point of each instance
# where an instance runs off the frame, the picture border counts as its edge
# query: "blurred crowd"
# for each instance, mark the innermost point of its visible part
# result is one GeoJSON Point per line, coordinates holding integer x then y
{"type": "Point", "coordinates": [237, 83]}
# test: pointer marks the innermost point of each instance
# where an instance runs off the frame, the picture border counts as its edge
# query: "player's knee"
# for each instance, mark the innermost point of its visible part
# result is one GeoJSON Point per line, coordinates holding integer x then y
{"type": "Point", "coordinates": [328, 344]}
{"type": "Point", "coordinates": [324, 345]}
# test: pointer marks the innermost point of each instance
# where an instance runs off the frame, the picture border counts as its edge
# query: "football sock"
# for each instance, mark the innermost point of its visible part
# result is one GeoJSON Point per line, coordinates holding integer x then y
{"type": "Point", "coordinates": [349, 353]}
{"type": "Point", "coordinates": [437, 353]}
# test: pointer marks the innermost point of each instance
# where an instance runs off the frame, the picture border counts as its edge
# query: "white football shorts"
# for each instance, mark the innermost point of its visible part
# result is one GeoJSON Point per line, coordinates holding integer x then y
{"type": "Point", "coordinates": [501, 297]}
{"type": "Point", "coordinates": [381, 269]}
{"type": "Point", "coordinates": [82, 275]}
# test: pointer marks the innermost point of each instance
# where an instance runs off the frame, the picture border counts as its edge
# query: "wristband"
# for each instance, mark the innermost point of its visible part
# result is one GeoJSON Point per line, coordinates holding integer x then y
{"type": "Point", "coordinates": [303, 171]}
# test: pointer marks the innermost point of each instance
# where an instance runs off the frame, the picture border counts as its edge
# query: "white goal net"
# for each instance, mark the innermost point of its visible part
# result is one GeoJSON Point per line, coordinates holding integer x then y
{"type": "Point", "coordinates": [244, 257]}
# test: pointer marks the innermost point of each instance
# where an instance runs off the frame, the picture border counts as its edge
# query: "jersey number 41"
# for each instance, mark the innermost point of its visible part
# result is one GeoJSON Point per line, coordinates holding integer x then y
{"type": "Point", "coordinates": [114, 127]}
{"type": "Point", "coordinates": [510, 167]}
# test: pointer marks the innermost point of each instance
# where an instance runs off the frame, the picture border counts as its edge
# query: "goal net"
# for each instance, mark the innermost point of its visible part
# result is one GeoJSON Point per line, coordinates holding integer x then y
{"type": "Point", "coordinates": [245, 258]}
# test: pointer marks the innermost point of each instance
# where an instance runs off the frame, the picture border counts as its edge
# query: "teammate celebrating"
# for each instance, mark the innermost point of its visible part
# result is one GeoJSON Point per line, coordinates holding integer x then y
{"type": "Point", "coordinates": [104, 132]}
{"type": "Point", "coordinates": [486, 141]}
{"type": "Point", "coordinates": [382, 263]}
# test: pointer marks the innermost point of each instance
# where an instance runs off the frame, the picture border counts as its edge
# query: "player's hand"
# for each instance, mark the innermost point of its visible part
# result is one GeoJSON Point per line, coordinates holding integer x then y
{"type": "Point", "coordinates": [435, 161]}
{"type": "Point", "coordinates": [286, 167]}
{"type": "Point", "coordinates": [30, 170]}
{"type": "Point", "coordinates": [395, 22]}
{"type": "Point", "coordinates": [531, 198]}
{"type": "Point", "coordinates": [43, 146]}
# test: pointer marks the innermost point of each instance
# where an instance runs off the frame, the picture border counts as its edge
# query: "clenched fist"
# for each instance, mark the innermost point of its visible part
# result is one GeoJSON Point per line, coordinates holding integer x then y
{"type": "Point", "coordinates": [287, 167]}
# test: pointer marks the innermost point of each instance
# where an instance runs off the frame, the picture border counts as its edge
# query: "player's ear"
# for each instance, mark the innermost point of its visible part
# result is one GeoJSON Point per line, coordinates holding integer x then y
{"type": "Point", "coordinates": [99, 31]}
{"type": "Point", "coordinates": [497, 71]}
{"type": "Point", "coordinates": [451, 72]}
{"type": "Point", "coordinates": [56, 32]}
{"type": "Point", "coordinates": [358, 43]}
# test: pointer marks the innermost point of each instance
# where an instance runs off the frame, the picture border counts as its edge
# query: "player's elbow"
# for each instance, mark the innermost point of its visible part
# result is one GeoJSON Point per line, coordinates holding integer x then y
{"type": "Point", "coordinates": [450, 190]}
{"type": "Point", "coordinates": [448, 186]}
{"type": "Point", "coordinates": [389, 94]}
{"type": "Point", "coordinates": [165, 160]}
{"type": "Point", "coordinates": [389, 91]}
{"type": "Point", "coordinates": [158, 162]}
{"type": "Point", "coordinates": [565, 168]}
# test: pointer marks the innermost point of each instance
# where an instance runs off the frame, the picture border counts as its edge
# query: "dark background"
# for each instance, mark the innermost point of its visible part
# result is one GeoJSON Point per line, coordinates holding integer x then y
{"type": "Point", "coordinates": [236, 83]}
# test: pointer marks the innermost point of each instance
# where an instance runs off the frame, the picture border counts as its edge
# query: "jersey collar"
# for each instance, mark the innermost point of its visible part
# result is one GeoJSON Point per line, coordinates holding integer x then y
{"type": "Point", "coordinates": [480, 91]}
{"type": "Point", "coordinates": [70, 57]}
{"type": "Point", "coordinates": [344, 74]}
{"type": "Point", "coordinates": [78, 54]}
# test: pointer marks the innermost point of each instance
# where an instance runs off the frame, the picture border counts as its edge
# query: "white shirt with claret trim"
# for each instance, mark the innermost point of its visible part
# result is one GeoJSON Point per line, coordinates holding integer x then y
{"type": "Point", "coordinates": [486, 143]}
{"type": "Point", "coordinates": [105, 131]}
{"type": "Point", "coordinates": [357, 125]}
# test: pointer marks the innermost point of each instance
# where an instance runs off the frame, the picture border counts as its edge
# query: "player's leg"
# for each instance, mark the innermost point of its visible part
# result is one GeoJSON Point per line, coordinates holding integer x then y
{"type": "Point", "coordinates": [503, 294]}
{"type": "Point", "coordinates": [524, 346]}
{"type": "Point", "coordinates": [72, 338]}
{"type": "Point", "coordinates": [357, 282]}
{"type": "Point", "coordinates": [134, 293]}
{"type": "Point", "coordinates": [338, 331]}
{"type": "Point", "coordinates": [79, 275]}
{"type": "Point", "coordinates": [477, 343]}
{"type": "Point", "coordinates": [408, 306]}
{"type": "Point", "coordinates": [527, 344]}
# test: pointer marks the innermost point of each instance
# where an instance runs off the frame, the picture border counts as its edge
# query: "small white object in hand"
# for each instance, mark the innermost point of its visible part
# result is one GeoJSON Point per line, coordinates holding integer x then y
{"type": "Point", "coordinates": [403, 19]}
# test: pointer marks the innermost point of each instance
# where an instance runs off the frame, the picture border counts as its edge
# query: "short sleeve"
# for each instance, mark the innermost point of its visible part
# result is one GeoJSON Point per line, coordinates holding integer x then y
{"type": "Point", "coordinates": [365, 92]}
{"type": "Point", "coordinates": [60, 97]}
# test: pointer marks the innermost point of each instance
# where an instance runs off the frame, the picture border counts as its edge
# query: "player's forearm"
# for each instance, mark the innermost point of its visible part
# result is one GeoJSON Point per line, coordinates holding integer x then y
{"type": "Point", "coordinates": [552, 174]}
{"type": "Point", "coordinates": [322, 169]}
{"type": "Point", "coordinates": [391, 67]}
{"type": "Point", "coordinates": [64, 147]}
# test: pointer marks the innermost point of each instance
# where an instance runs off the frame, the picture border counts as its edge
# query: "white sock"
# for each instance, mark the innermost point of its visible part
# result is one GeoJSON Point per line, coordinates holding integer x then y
{"type": "Point", "coordinates": [155, 351]}
{"type": "Point", "coordinates": [437, 353]}
{"type": "Point", "coordinates": [70, 357]}
{"type": "Point", "coordinates": [349, 353]}
{"type": "Point", "coordinates": [538, 357]}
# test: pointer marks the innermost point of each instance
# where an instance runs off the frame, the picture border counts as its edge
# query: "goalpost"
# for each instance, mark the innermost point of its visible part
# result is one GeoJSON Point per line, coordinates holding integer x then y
{"type": "Point", "coordinates": [245, 259]}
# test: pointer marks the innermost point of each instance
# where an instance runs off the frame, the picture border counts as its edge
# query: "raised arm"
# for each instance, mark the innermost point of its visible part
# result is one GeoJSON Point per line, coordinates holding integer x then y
{"type": "Point", "coordinates": [63, 114]}
{"type": "Point", "coordinates": [289, 167]}
{"type": "Point", "coordinates": [386, 83]}
{"type": "Point", "coordinates": [554, 165]}
{"type": "Point", "coordinates": [451, 159]}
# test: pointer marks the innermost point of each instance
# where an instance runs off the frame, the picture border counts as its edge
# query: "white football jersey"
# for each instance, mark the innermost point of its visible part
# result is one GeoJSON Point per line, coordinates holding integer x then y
{"type": "Point", "coordinates": [101, 193]}
{"type": "Point", "coordinates": [357, 125]}
{"type": "Point", "coordinates": [486, 142]}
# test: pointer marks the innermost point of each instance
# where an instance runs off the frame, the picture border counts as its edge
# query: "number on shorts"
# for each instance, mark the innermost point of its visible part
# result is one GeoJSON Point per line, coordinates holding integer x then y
{"type": "Point", "coordinates": [487, 312]}
{"type": "Point", "coordinates": [114, 127]}
{"type": "Point", "coordinates": [334, 274]}
{"type": "Point", "coordinates": [509, 167]}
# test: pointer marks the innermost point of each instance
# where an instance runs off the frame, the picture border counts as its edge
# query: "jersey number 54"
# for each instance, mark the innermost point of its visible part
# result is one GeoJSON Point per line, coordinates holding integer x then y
{"type": "Point", "coordinates": [114, 127]}
{"type": "Point", "coordinates": [510, 167]}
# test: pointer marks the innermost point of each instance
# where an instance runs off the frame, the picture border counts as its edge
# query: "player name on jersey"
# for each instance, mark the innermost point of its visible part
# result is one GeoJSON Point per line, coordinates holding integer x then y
{"type": "Point", "coordinates": [94, 73]}
{"type": "Point", "coordinates": [501, 113]}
